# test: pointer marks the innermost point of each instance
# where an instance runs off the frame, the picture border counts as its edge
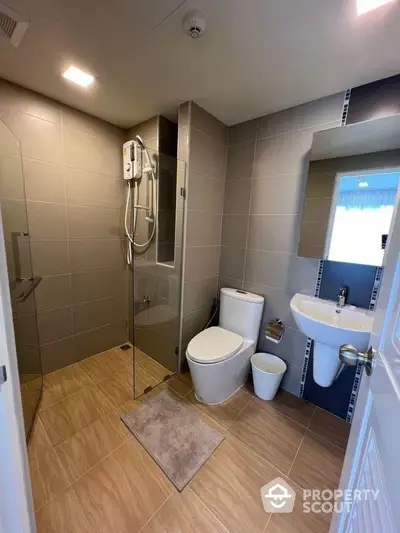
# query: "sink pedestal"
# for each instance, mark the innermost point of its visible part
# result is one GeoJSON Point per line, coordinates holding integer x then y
{"type": "Point", "coordinates": [326, 364]}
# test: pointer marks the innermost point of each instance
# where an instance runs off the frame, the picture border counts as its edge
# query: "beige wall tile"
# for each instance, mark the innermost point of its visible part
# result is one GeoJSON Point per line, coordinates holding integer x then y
{"type": "Point", "coordinates": [147, 130]}
{"type": "Point", "coordinates": [77, 120]}
{"type": "Point", "coordinates": [94, 223]}
{"type": "Point", "coordinates": [53, 292]}
{"type": "Point", "coordinates": [99, 254]}
{"type": "Point", "coordinates": [55, 324]}
{"type": "Point", "coordinates": [44, 181]}
{"type": "Point", "coordinates": [58, 354]}
{"type": "Point", "coordinates": [50, 257]}
{"type": "Point", "coordinates": [207, 123]}
{"type": "Point", "coordinates": [99, 313]}
{"type": "Point", "coordinates": [46, 220]}
{"type": "Point", "coordinates": [92, 189]}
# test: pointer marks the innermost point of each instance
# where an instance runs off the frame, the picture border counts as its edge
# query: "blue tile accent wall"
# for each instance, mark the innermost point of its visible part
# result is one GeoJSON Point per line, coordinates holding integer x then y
{"type": "Point", "coordinates": [358, 278]}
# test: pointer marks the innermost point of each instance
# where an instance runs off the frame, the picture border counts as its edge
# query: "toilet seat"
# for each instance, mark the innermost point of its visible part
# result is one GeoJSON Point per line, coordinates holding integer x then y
{"type": "Point", "coordinates": [213, 345]}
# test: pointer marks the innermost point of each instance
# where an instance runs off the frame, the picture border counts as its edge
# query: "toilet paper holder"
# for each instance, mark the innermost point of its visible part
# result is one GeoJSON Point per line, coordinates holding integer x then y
{"type": "Point", "coordinates": [274, 330]}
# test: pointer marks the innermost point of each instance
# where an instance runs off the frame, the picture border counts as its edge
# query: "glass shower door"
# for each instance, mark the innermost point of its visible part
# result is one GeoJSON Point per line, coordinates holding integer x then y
{"type": "Point", "coordinates": [157, 276]}
{"type": "Point", "coordinates": [20, 274]}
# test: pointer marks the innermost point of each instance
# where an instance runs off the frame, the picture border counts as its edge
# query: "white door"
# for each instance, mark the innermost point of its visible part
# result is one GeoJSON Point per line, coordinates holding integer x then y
{"type": "Point", "coordinates": [372, 459]}
{"type": "Point", "coordinates": [16, 509]}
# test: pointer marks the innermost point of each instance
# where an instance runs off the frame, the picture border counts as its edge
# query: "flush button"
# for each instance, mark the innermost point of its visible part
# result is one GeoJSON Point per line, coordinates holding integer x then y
{"type": "Point", "coordinates": [240, 291]}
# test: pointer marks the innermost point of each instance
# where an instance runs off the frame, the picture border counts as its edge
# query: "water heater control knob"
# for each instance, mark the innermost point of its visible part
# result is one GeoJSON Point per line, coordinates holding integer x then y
{"type": "Point", "coordinates": [128, 167]}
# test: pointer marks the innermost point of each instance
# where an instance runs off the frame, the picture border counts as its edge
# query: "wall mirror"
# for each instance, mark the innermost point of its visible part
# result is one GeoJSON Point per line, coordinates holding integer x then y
{"type": "Point", "coordinates": [352, 191]}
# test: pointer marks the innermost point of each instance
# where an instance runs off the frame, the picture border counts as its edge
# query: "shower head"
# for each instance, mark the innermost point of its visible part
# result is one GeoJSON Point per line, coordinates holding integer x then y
{"type": "Point", "coordinates": [140, 142]}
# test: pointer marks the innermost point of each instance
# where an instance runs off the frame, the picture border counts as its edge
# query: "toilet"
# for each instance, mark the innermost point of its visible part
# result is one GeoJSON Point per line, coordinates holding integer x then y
{"type": "Point", "coordinates": [219, 357]}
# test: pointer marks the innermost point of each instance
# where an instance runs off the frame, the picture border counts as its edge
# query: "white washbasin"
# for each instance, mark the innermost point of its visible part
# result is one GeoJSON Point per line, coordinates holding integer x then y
{"type": "Point", "coordinates": [330, 327]}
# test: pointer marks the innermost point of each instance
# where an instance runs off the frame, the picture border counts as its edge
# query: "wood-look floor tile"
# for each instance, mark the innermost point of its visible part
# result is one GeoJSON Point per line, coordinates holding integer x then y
{"type": "Point", "coordinates": [62, 515]}
{"type": "Point", "coordinates": [181, 383]}
{"type": "Point", "coordinates": [140, 356]}
{"type": "Point", "coordinates": [267, 431]}
{"type": "Point", "coordinates": [106, 364]}
{"type": "Point", "coordinates": [183, 513]}
{"type": "Point", "coordinates": [91, 444]}
{"type": "Point", "coordinates": [143, 380]}
{"type": "Point", "coordinates": [153, 368]}
{"type": "Point", "coordinates": [124, 491]}
{"type": "Point", "coordinates": [119, 387]}
{"type": "Point", "coordinates": [223, 413]}
{"type": "Point", "coordinates": [318, 464]}
{"type": "Point", "coordinates": [295, 408]}
{"type": "Point", "coordinates": [297, 521]}
{"type": "Point", "coordinates": [229, 485]}
{"type": "Point", "coordinates": [47, 475]}
{"type": "Point", "coordinates": [68, 416]}
{"type": "Point", "coordinates": [330, 427]}
{"type": "Point", "coordinates": [63, 383]}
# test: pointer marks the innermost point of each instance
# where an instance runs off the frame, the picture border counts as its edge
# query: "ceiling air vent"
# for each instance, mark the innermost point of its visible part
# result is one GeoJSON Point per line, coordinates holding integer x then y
{"type": "Point", "coordinates": [12, 25]}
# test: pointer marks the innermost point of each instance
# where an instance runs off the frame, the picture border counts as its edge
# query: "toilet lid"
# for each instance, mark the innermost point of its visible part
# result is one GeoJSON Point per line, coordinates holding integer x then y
{"type": "Point", "coordinates": [213, 345]}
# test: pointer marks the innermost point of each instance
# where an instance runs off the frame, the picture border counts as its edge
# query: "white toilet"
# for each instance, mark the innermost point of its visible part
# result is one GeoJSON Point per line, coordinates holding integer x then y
{"type": "Point", "coordinates": [219, 357]}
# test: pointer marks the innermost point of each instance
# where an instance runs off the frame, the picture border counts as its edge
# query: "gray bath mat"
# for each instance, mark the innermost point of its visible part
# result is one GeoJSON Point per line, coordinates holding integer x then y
{"type": "Point", "coordinates": [175, 436]}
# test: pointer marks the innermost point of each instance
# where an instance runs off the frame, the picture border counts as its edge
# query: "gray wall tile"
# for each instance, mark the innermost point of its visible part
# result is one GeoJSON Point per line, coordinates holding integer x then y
{"type": "Point", "coordinates": [99, 254]}
{"type": "Point", "coordinates": [47, 221]}
{"type": "Point", "coordinates": [237, 197]}
{"type": "Point", "coordinates": [239, 165]}
{"type": "Point", "coordinates": [203, 230]}
{"type": "Point", "coordinates": [276, 233]}
{"type": "Point", "coordinates": [206, 193]}
{"type": "Point", "coordinates": [53, 292]}
{"type": "Point", "coordinates": [94, 222]}
{"type": "Point", "coordinates": [201, 262]}
{"type": "Point", "coordinates": [44, 181]}
{"type": "Point", "coordinates": [231, 262]}
{"type": "Point", "coordinates": [322, 111]}
{"type": "Point", "coordinates": [101, 339]}
{"type": "Point", "coordinates": [243, 132]}
{"type": "Point", "coordinates": [290, 349]}
{"type": "Point", "coordinates": [234, 230]}
{"type": "Point", "coordinates": [93, 189]}
{"type": "Point", "coordinates": [286, 154]}
{"type": "Point", "coordinates": [50, 257]}
{"type": "Point", "coordinates": [199, 294]}
{"type": "Point", "coordinates": [206, 154]}
{"type": "Point", "coordinates": [87, 286]}
{"type": "Point", "coordinates": [207, 123]}
{"type": "Point", "coordinates": [277, 195]}
{"type": "Point", "coordinates": [99, 313]}
{"type": "Point", "coordinates": [291, 379]}
{"type": "Point", "coordinates": [55, 324]}
{"type": "Point", "coordinates": [58, 354]}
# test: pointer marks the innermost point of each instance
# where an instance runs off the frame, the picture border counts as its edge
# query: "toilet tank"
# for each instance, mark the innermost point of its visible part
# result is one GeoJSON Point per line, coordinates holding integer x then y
{"type": "Point", "coordinates": [241, 312]}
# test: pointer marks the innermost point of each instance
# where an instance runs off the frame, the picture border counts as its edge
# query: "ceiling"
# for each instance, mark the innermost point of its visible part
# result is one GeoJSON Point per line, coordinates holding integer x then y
{"type": "Point", "coordinates": [256, 57]}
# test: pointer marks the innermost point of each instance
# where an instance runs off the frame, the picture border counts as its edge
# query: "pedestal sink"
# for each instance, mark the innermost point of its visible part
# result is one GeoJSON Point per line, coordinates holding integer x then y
{"type": "Point", "coordinates": [330, 327]}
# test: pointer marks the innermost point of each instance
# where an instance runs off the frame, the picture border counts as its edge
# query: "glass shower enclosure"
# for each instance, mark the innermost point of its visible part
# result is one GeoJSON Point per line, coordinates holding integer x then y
{"type": "Point", "coordinates": [20, 273]}
{"type": "Point", "coordinates": [156, 276]}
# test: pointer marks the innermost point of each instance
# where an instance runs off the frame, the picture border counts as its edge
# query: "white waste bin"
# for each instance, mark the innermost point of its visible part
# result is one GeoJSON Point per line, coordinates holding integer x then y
{"type": "Point", "coordinates": [268, 370]}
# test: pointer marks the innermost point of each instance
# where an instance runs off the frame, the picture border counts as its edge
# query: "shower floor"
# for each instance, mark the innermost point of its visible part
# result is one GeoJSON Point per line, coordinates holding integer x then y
{"type": "Point", "coordinates": [90, 475]}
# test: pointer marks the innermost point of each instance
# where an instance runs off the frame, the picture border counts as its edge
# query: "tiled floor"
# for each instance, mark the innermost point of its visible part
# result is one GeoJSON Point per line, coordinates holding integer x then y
{"type": "Point", "coordinates": [90, 475]}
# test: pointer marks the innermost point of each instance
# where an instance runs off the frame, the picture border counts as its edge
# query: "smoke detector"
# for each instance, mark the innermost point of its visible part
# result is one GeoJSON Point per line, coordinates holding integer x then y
{"type": "Point", "coordinates": [194, 24]}
{"type": "Point", "coordinates": [12, 25]}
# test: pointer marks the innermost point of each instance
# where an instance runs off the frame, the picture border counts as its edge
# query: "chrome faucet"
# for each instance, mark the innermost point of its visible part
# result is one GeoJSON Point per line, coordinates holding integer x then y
{"type": "Point", "coordinates": [342, 297]}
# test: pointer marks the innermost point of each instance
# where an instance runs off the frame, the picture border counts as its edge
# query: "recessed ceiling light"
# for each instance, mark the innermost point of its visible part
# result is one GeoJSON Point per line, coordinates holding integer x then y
{"type": "Point", "coordinates": [363, 184]}
{"type": "Point", "coordinates": [78, 76]}
{"type": "Point", "coordinates": [363, 6]}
